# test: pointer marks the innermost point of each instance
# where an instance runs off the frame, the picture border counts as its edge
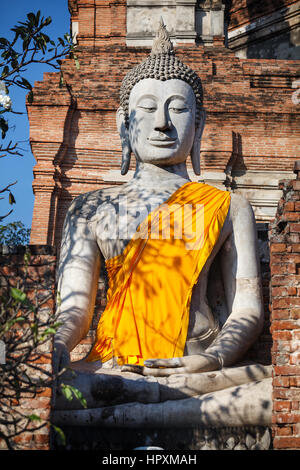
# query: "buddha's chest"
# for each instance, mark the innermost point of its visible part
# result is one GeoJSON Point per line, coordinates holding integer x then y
{"type": "Point", "coordinates": [118, 219]}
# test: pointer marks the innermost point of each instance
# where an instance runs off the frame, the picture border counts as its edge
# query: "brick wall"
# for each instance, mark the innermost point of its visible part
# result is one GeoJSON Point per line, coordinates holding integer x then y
{"type": "Point", "coordinates": [79, 146]}
{"type": "Point", "coordinates": [73, 132]}
{"type": "Point", "coordinates": [99, 21]}
{"type": "Point", "coordinates": [242, 12]}
{"type": "Point", "coordinates": [285, 317]}
{"type": "Point", "coordinates": [37, 278]}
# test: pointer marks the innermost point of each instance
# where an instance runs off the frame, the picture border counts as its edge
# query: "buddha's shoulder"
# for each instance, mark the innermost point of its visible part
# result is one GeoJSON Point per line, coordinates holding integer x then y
{"type": "Point", "coordinates": [86, 205]}
{"type": "Point", "coordinates": [238, 203]}
{"type": "Point", "coordinates": [240, 207]}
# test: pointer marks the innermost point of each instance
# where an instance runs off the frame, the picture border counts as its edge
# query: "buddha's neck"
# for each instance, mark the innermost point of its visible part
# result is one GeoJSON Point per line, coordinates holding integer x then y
{"type": "Point", "coordinates": [154, 175]}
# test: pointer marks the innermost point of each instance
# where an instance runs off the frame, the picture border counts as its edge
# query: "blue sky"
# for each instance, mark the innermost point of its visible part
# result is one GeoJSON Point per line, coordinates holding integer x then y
{"type": "Point", "coordinates": [14, 168]}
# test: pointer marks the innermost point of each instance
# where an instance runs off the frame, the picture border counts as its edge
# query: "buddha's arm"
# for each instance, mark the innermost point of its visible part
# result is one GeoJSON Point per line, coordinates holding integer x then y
{"type": "Point", "coordinates": [77, 284]}
{"type": "Point", "coordinates": [242, 284]}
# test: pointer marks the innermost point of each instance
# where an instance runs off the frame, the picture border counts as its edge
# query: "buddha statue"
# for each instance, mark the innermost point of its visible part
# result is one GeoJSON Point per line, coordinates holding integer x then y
{"type": "Point", "coordinates": [162, 355]}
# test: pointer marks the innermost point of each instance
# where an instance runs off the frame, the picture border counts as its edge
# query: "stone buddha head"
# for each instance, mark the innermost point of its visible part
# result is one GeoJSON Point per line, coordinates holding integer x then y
{"type": "Point", "coordinates": [161, 118]}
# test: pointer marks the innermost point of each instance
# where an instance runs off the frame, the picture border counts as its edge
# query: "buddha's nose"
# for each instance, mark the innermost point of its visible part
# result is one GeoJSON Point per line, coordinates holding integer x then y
{"type": "Point", "coordinates": [162, 119]}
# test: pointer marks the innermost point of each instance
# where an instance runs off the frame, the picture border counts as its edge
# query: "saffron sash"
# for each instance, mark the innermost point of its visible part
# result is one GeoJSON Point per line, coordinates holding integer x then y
{"type": "Point", "coordinates": [151, 281]}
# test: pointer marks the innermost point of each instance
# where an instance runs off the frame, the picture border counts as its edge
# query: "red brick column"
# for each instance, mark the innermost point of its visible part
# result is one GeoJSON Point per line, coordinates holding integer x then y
{"type": "Point", "coordinates": [285, 315]}
{"type": "Point", "coordinates": [36, 275]}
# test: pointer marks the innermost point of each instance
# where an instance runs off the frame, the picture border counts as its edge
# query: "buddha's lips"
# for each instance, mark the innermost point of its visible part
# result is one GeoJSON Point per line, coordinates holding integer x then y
{"type": "Point", "coordinates": [161, 141]}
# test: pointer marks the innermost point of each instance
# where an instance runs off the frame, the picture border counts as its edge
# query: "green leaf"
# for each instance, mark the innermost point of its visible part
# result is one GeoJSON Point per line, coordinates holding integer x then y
{"type": "Point", "coordinates": [45, 38]}
{"type": "Point", "coordinates": [61, 80]}
{"type": "Point", "coordinates": [34, 417]}
{"type": "Point", "coordinates": [66, 390]}
{"type": "Point", "coordinates": [10, 323]}
{"type": "Point", "coordinates": [26, 83]}
{"type": "Point", "coordinates": [30, 97]}
{"type": "Point", "coordinates": [17, 294]}
{"type": "Point", "coordinates": [37, 18]}
{"type": "Point", "coordinates": [3, 126]}
{"type": "Point", "coordinates": [49, 331]}
{"type": "Point", "coordinates": [31, 18]}
{"type": "Point", "coordinates": [5, 70]}
{"type": "Point", "coordinates": [60, 433]}
{"type": "Point", "coordinates": [11, 198]}
{"type": "Point", "coordinates": [48, 21]}
{"type": "Point", "coordinates": [4, 41]}
{"type": "Point", "coordinates": [6, 55]}
{"type": "Point", "coordinates": [40, 43]}
{"type": "Point", "coordinates": [69, 391]}
{"type": "Point", "coordinates": [76, 62]}
{"type": "Point", "coordinates": [26, 40]}
{"type": "Point", "coordinates": [14, 63]}
{"type": "Point", "coordinates": [27, 257]}
{"type": "Point", "coordinates": [67, 37]}
{"type": "Point", "coordinates": [34, 329]}
{"type": "Point", "coordinates": [79, 396]}
{"type": "Point", "coordinates": [19, 320]}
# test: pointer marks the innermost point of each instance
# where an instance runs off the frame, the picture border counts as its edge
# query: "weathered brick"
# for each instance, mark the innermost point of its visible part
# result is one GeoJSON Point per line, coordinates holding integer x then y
{"type": "Point", "coordinates": [281, 381]}
{"type": "Point", "coordinates": [289, 206]}
{"type": "Point", "coordinates": [291, 280]}
{"type": "Point", "coordinates": [286, 302]}
{"type": "Point", "coordinates": [286, 442]}
{"type": "Point", "coordinates": [281, 314]}
{"type": "Point", "coordinates": [282, 335]}
{"type": "Point", "coordinates": [295, 381]}
{"type": "Point", "coordinates": [287, 370]}
{"type": "Point", "coordinates": [286, 394]}
{"type": "Point", "coordinates": [284, 431]}
{"type": "Point", "coordinates": [294, 216]}
{"type": "Point", "coordinates": [295, 313]}
{"type": "Point", "coordinates": [284, 417]}
{"type": "Point", "coordinates": [282, 405]}
{"type": "Point", "coordinates": [284, 291]}
{"type": "Point", "coordinates": [278, 248]}
{"type": "Point", "coordinates": [295, 227]}
{"type": "Point", "coordinates": [296, 185]}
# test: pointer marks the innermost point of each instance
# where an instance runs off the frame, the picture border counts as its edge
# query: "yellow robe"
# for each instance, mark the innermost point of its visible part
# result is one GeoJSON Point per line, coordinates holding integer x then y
{"type": "Point", "coordinates": [151, 282]}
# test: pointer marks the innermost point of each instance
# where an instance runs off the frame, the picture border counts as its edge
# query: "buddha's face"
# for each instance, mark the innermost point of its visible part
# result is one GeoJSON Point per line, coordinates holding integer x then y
{"type": "Point", "coordinates": [161, 121]}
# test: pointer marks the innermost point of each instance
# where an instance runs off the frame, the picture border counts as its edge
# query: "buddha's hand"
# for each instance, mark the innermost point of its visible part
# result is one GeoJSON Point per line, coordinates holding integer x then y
{"type": "Point", "coordinates": [178, 365]}
{"type": "Point", "coordinates": [61, 357]}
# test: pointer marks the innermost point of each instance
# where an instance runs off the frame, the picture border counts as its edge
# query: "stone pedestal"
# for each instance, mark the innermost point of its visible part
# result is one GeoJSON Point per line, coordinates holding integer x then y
{"type": "Point", "coordinates": [180, 439]}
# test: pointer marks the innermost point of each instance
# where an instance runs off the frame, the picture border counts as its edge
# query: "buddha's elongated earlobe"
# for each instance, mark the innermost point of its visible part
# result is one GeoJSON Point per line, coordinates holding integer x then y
{"type": "Point", "coordinates": [195, 152]}
{"type": "Point", "coordinates": [126, 154]}
{"type": "Point", "coordinates": [126, 148]}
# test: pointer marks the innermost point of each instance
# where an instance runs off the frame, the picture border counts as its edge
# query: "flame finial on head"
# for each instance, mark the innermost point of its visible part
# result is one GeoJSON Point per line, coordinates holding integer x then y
{"type": "Point", "coordinates": [162, 43]}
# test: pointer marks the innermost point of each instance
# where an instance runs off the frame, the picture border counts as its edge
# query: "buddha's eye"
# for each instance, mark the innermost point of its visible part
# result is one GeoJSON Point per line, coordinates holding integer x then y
{"type": "Point", "coordinates": [178, 108]}
{"type": "Point", "coordinates": [148, 109]}
{"type": "Point", "coordinates": [148, 106]}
